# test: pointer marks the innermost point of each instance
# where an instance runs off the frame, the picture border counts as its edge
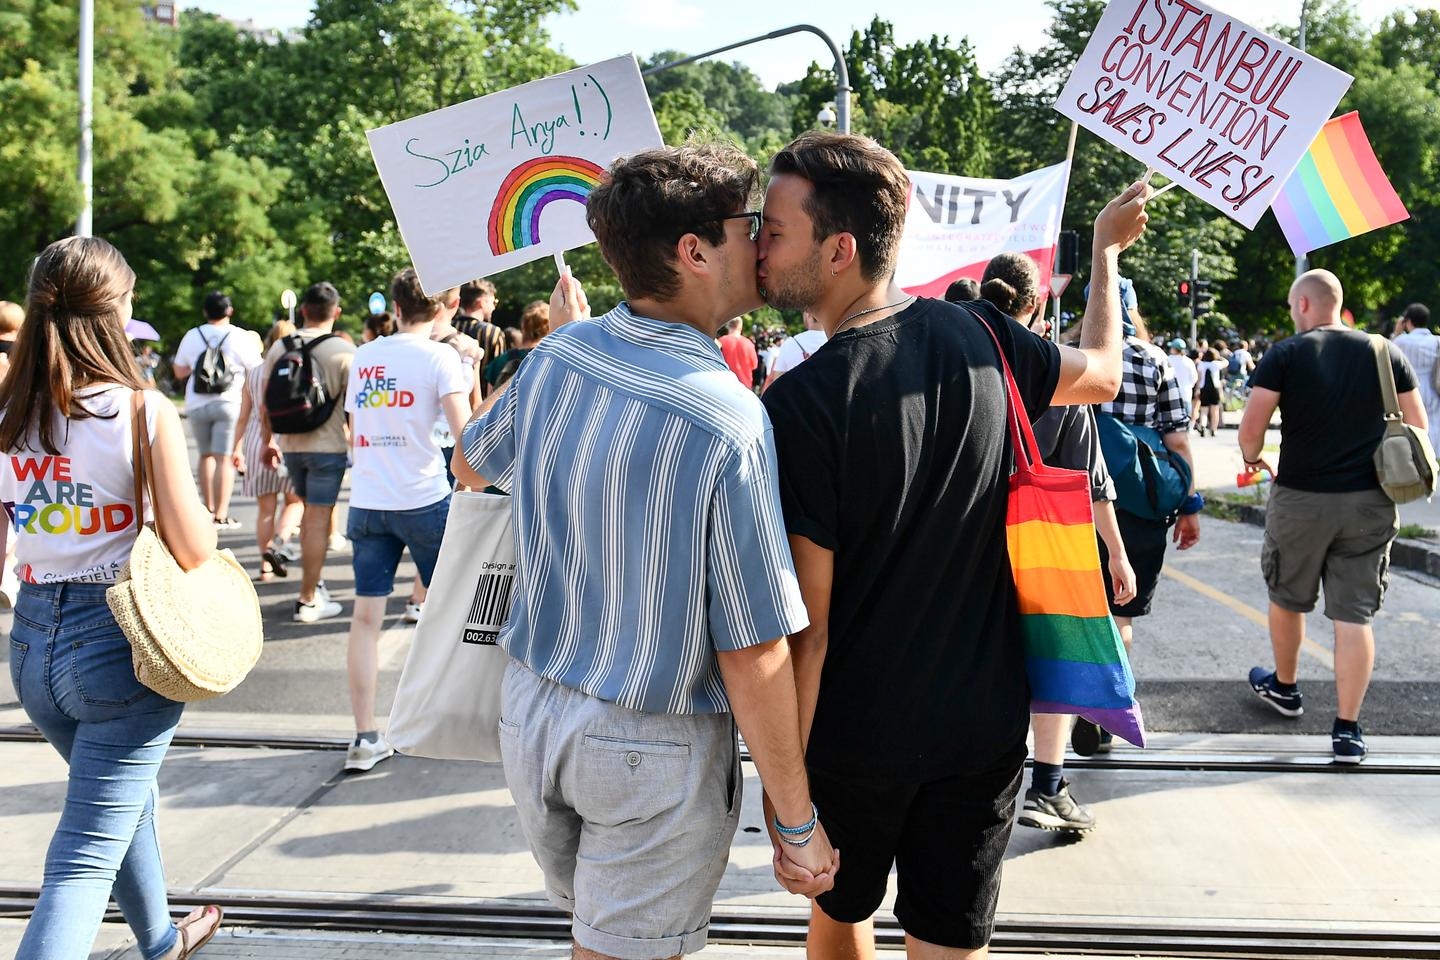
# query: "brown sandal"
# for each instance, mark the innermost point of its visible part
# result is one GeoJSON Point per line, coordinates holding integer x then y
{"type": "Point", "coordinates": [188, 949]}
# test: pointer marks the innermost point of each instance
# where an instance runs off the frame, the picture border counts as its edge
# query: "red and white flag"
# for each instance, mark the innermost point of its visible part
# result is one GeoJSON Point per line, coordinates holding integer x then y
{"type": "Point", "coordinates": [956, 224]}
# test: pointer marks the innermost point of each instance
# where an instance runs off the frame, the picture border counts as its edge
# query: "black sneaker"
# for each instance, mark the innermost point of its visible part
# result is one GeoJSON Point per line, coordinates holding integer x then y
{"type": "Point", "coordinates": [1287, 704]}
{"type": "Point", "coordinates": [1349, 747]}
{"type": "Point", "coordinates": [1085, 738]}
{"type": "Point", "coordinates": [1058, 812]}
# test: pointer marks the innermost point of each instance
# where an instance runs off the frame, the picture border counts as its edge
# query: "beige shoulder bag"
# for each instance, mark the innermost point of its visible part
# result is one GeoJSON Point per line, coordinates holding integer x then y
{"type": "Point", "coordinates": [194, 634]}
{"type": "Point", "coordinates": [1404, 461]}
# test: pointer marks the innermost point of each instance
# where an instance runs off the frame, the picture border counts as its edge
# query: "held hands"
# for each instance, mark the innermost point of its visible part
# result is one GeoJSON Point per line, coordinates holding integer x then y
{"type": "Point", "coordinates": [1123, 220]}
{"type": "Point", "coordinates": [272, 455]}
{"type": "Point", "coordinates": [1122, 578]}
{"type": "Point", "coordinates": [1187, 531]}
{"type": "Point", "coordinates": [568, 301]}
{"type": "Point", "coordinates": [807, 871]}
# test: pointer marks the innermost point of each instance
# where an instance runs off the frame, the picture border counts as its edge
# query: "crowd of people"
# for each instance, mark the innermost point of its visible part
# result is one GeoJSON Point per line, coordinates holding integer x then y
{"type": "Point", "coordinates": [822, 566]}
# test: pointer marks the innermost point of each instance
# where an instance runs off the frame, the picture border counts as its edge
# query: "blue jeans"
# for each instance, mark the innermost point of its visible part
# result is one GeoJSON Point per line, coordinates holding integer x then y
{"type": "Point", "coordinates": [71, 668]}
{"type": "Point", "coordinates": [379, 537]}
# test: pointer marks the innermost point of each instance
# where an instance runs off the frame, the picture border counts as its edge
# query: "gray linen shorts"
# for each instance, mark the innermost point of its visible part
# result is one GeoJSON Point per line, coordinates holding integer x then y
{"type": "Point", "coordinates": [213, 425]}
{"type": "Point", "coordinates": [1342, 539]}
{"type": "Point", "coordinates": [631, 815]}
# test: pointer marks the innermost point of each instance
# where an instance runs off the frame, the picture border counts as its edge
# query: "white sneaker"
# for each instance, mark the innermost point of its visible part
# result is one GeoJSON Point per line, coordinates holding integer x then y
{"type": "Point", "coordinates": [412, 612]}
{"type": "Point", "coordinates": [321, 608]}
{"type": "Point", "coordinates": [338, 543]}
{"type": "Point", "coordinates": [364, 754]}
{"type": "Point", "coordinates": [284, 551]}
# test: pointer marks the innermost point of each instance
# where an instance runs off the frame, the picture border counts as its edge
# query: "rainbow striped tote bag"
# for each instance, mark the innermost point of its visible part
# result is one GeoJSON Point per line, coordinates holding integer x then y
{"type": "Point", "coordinates": [1073, 652]}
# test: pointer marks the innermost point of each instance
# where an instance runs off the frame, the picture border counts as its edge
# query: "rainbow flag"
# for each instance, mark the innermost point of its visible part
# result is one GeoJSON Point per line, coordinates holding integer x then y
{"type": "Point", "coordinates": [1338, 191]}
{"type": "Point", "coordinates": [1074, 655]}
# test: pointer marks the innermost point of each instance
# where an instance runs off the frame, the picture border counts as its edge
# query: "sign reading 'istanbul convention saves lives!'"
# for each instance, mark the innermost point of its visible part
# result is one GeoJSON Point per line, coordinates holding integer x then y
{"type": "Point", "coordinates": [1205, 99]}
{"type": "Point", "coordinates": [499, 181]}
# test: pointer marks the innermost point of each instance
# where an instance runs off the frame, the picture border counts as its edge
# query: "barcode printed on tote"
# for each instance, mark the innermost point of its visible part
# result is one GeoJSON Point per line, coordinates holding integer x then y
{"type": "Point", "coordinates": [490, 608]}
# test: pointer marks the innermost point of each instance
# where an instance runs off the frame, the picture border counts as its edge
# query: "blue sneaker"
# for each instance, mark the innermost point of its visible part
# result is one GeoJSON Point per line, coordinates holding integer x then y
{"type": "Point", "coordinates": [1287, 704]}
{"type": "Point", "coordinates": [1349, 747]}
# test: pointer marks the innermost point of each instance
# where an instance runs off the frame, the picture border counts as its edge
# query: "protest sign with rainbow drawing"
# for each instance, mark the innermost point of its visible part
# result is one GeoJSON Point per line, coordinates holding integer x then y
{"type": "Point", "coordinates": [502, 180]}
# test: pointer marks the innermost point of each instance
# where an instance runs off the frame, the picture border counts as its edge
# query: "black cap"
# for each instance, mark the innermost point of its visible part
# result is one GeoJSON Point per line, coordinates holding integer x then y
{"type": "Point", "coordinates": [217, 305]}
{"type": "Point", "coordinates": [322, 294]}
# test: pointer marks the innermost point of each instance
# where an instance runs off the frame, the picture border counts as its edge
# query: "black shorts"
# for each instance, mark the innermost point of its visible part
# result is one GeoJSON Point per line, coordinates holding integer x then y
{"type": "Point", "coordinates": [1145, 542]}
{"type": "Point", "coordinates": [946, 839]}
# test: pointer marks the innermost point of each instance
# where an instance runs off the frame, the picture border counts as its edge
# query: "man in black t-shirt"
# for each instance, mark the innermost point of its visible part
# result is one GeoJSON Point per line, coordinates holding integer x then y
{"type": "Point", "coordinates": [1328, 519]}
{"type": "Point", "coordinates": [894, 455]}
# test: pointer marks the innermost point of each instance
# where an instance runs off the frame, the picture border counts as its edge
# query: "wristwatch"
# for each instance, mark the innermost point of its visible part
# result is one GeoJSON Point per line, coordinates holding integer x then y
{"type": "Point", "coordinates": [1192, 504]}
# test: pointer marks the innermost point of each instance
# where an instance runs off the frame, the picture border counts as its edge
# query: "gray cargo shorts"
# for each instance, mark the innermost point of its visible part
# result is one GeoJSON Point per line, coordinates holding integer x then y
{"type": "Point", "coordinates": [1342, 539]}
{"type": "Point", "coordinates": [631, 815]}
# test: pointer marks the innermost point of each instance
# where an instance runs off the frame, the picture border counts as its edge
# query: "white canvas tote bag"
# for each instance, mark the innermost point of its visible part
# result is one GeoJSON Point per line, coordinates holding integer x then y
{"type": "Point", "coordinates": [447, 706]}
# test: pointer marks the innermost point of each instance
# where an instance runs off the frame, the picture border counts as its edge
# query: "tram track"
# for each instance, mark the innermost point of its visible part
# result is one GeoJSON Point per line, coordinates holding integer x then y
{"type": "Point", "coordinates": [1178, 761]}
{"type": "Point", "coordinates": [1195, 938]}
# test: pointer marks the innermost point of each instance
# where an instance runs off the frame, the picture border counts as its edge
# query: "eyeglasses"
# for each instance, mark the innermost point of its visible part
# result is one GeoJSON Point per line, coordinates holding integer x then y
{"type": "Point", "coordinates": [752, 215]}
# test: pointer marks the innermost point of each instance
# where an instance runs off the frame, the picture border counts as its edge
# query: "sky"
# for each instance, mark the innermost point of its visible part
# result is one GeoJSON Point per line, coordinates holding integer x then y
{"type": "Point", "coordinates": [601, 29]}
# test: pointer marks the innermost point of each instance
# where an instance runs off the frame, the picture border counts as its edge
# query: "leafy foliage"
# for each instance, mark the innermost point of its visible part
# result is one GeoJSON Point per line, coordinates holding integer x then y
{"type": "Point", "coordinates": [240, 162]}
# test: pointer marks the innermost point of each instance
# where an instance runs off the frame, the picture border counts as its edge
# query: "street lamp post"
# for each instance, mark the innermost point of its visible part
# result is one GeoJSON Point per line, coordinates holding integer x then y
{"type": "Point", "coordinates": [85, 81]}
{"type": "Point", "coordinates": [842, 74]}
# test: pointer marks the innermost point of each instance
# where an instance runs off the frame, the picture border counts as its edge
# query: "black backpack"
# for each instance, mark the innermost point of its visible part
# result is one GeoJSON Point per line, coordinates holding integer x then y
{"type": "Point", "coordinates": [214, 373]}
{"type": "Point", "coordinates": [296, 397]}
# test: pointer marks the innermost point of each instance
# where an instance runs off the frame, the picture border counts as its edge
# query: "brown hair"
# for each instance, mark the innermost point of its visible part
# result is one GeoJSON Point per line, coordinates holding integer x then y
{"type": "Point", "coordinates": [281, 329]}
{"type": "Point", "coordinates": [470, 293]}
{"type": "Point", "coordinates": [535, 321]}
{"type": "Point", "coordinates": [72, 338]}
{"type": "Point", "coordinates": [646, 202]}
{"type": "Point", "coordinates": [415, 306]}
{"type": "Point", "coordinates": [380, 324]}
{"type": "Point", "coordinates": [1012, 283]}
{"type": "Point", "coordinates": [859, 188]}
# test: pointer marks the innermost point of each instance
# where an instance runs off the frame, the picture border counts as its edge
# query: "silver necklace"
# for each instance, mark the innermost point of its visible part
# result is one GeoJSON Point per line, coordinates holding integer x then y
{"type": "Point", "coordinates": [856, 316]}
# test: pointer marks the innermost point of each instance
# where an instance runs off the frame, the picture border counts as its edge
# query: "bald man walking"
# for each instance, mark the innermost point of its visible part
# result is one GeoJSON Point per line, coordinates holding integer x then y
{"type": "Point", "coordinates": [1328, 519]}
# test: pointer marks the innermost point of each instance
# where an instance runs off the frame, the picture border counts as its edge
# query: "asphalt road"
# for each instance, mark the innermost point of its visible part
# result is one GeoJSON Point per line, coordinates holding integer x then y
{"type": "Point", "coordinates": [1191, 654]}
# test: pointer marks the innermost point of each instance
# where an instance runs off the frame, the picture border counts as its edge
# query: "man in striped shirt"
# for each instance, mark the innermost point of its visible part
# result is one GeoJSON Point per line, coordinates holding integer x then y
{"type": "Point", "coordinates": [654, 588]}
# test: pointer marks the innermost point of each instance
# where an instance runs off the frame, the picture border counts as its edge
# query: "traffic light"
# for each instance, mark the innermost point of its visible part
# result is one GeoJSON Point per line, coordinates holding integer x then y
{"type": "Point", "coordinates": [1067, 253]}
{"type": "Point", "coordinates": [1204, 299]}
{"type": "Point", "coordinates": [1182, 292]}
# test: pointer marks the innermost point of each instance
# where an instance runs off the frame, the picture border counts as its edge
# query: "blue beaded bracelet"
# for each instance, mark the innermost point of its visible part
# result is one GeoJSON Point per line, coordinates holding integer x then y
{"type": "Point", "coordinates": [796, 831]}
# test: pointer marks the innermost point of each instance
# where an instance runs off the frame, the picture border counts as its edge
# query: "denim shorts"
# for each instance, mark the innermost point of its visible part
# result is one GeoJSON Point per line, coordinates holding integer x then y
{"type": "Point", "coordinates": [213, 425]}
{"type": "Point", "coordinates": [316, 477]}
{"type": "Point", "coordinates": [378, 537]}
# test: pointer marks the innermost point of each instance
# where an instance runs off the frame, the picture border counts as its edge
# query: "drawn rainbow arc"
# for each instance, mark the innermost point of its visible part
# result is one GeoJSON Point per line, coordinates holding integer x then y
{"type": "Point", "coordinates": [530, 187]}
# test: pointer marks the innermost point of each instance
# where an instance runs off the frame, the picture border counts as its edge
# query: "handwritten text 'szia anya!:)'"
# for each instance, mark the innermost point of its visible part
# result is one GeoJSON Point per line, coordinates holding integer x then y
{"type": "Point", "coordinates": [528, 133]}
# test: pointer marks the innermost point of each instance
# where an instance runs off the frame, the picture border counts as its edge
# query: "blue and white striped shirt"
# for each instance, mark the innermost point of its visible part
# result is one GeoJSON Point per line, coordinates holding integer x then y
{"type": "Point", "coordinates": [647, 513]}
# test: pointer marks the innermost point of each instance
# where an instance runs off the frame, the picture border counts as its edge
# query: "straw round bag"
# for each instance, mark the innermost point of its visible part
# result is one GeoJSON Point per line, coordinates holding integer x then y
{"type": "Point", "coordinates": [194, 634]}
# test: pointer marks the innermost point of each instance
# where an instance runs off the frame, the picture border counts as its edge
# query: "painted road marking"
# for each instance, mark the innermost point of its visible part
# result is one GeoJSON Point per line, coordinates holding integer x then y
{"type": "Point", "coordinates": [1245, 610]}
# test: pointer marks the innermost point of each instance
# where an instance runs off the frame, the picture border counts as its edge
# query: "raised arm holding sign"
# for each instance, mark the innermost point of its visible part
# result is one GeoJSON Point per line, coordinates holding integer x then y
{"type": "Point", "coordinates": [524, 159]}
{"type": "Point", "coordinates": [1203, 98]}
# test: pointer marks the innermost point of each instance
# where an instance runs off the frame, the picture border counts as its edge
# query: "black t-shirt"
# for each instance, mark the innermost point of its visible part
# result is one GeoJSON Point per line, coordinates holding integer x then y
{"type": "Point", "coordinates": [1331, 412]}
{"type": "Point", "coordinates": [894, 453]}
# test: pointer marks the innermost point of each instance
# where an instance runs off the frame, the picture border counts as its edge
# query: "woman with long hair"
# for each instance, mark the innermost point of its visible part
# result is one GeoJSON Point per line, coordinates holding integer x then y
{"type": "Point", "coordinates": [1069, 439]}
{"type": "Point", "coordinates": [67, 483]}
{"type": "Point", "coordinates": [263, 482]}
{"type": "Point", "coordinates": [534, 327]}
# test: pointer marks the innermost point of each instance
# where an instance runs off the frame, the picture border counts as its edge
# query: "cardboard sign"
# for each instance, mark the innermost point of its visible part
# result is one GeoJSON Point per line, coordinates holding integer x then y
{"type": "Point", "coordinates": [954, 225]}
{"type": "Point", "coordinates": [1205, 99]}
{"type": "Point", "coordinates": [502, 180]}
